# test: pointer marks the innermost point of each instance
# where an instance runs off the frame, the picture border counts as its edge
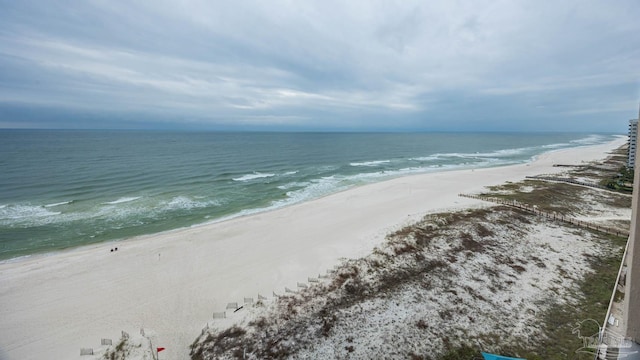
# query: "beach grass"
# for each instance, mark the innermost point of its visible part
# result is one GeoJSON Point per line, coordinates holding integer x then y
{"type": "Point", "coordinates": [558, 340]}
{"type": "Point", "coordinates": [547, 196]}
{"type": "Point", "coordinates": [594, 291]}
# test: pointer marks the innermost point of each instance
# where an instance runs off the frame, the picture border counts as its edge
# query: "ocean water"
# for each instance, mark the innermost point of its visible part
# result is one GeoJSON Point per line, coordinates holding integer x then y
{"type": "Point", "coordinates": [61, 189]}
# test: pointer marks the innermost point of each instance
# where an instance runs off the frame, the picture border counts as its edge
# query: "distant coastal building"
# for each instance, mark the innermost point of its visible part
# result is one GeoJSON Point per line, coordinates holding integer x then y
{"type": "Point", "coordinates": [619, 337]}
{"type": "Point", "coordinates": [633, 140]}
{"type": "Point", "coordinates": [631, 261]}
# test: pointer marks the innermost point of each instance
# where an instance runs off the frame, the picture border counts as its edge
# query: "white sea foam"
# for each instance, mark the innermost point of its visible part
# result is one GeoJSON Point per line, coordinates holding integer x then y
{"type": "Point", "coordinates": [491, 154]}
{"type": "Point", "coordinates": [484, 155]}
{"type": "Point", "coordinates": [58, 204]}
{"type": "Point", "coordinates": [253, 176]}
{"type": "Point", "coordinates": [330, 184]}
{"type": "Point", "coordinates": [310, 190]}
{"type": "Point", "coordinates": [293, 185]}
{"type": "Point", "coordinates": [18, 212]}
{"type": "Point", "coordinates": [589, 140]}
{"type": "Point", "coordinates": [555, 146]}
{"type": "Point", "coordinates": [446, 156]}
{"type": "Point", "coordinates": [425, 158]}
{"type": "Point", "coordinates": [186, 203]}
{"type": "Point", "coordinates": [370, 163]}
{"type": "Point", "coordinates": [313, 189]}
{"type": "Point", "coordinates": [126, 209]}
{"type": "Point", "coordinates": [151, 208]}
{"type": "Point", "coordinates": [122, 200]}
{"type": "Point", "coordinates": [504, 152]}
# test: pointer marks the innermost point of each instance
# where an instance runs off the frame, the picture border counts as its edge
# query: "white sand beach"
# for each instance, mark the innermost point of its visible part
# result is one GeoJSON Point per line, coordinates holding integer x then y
{"type": "Point", "coordinates": [53, 305]}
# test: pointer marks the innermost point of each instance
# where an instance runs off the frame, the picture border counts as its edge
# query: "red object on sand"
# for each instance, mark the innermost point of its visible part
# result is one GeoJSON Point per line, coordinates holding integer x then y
{"type": "Point", "coordinates": [160, 349]}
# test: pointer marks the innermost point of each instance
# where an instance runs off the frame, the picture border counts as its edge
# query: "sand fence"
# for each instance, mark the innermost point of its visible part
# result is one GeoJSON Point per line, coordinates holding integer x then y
{"type": "Point", "coordinates": [103, 342]}
{"type": "Point", "coordinates": [549, 215]}
{"type": "Point", "coordinates": [233, 307]}
{"type": "Point", "coordinates": [141, 347]}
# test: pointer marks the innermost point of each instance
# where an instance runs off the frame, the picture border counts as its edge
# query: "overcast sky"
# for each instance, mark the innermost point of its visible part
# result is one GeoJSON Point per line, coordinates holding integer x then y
{"type": "Point", "coordinates": [320, 65]}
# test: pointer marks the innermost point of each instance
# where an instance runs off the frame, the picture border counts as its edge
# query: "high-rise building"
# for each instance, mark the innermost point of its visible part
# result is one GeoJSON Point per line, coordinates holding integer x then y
{"type": "Point", "coordinates": [631, 302]}
{"type": "Point", "coordinates": [633, 140]}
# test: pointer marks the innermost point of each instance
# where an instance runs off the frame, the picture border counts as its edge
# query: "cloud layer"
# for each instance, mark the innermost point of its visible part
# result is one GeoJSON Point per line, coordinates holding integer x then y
{"type": "Point", "coordinates": [332, 65]}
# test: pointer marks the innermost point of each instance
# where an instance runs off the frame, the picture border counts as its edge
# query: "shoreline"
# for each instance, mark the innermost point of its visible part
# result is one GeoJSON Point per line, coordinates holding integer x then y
{"type": "Point", "coordinates": [258, 211]}
{"type": "Point", "coordinates": [170, 283]}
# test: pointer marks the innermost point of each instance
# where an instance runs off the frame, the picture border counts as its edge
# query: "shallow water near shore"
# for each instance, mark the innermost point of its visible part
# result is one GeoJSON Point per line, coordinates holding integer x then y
{"type": "Point", "coordinates": [61, 189]}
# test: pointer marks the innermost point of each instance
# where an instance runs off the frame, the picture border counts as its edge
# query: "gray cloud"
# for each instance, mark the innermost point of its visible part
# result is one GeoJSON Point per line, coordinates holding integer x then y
{"type": "Point", "coordinates": [321, 65]}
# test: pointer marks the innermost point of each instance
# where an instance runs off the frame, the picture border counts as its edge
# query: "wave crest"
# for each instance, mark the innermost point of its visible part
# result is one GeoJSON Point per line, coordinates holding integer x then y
{"type": "Point", "coordinates": [58, 204]}
{"type": "Point", "coordinates": [122, 200]}
{"type": "Point", "coordinates": [370, 163]}
{"type": "Point", "coordinates": [19, 212]}
{"type": "Point", "coordinates": [253, 176]}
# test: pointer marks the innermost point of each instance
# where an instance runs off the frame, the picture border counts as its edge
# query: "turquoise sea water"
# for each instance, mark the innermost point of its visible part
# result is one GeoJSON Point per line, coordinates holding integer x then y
{"type": "Point", "coordinates": [60, 189]}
